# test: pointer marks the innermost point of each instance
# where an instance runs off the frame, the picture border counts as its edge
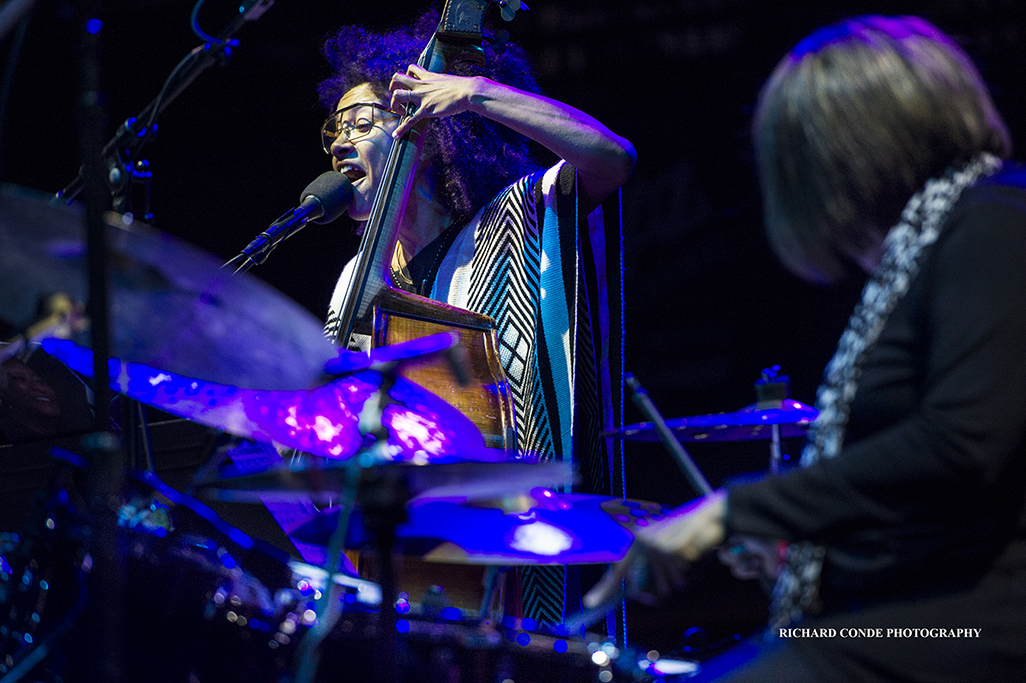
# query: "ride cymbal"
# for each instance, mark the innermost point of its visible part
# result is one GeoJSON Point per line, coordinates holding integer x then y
{"type": "Point", "coordinates": [751, 422]}
{"type": "Point", "coordinates": [324, 421]}
{"type": "Point", "coordinates": [172, 305]}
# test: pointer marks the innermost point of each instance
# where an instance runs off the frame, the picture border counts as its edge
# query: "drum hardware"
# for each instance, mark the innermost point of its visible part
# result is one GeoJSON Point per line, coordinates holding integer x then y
{"type": "Point", "coordinates": [324, 421]}
{"type": "Point", "coordinates": [773, 416]}
{"type": "Point", "coordinates": [751, 422]}
{"type": "Point", "coordinates": [384, 496]}
{"type": "Point", "coordinates": [172, 306]}
{"type": "Point", "coordinates": [385, 491]}
{"type": "Point", "coordinates": [209, 601]}
{"type": "Point", "coordinates": [34, 566]}
{"type": "Point", "coordinates": [493, 580]}
{"type": "Point", "coordinates": [410, 352]}
{"type": "Point", "coordinates": [310, 577]}
{"type": "Point", "coordinates": [480, 477]}
{"type": "Point", "coordinates": [79, 358]}
{"type": "Point", "coordinates": [537, 527]}
{"type": "Point", "coordinates": [683, 460]}
{"type": "Point", "coordinates": [771, 392]}
{"type": "Point", "coordinates": [449, 647]}
{"type": "Point", "coordinates": [668, 669]}
{"type": "Point", "coordinates": [115, 328]}
{"type": "Point", "coordinates": [473, 473]}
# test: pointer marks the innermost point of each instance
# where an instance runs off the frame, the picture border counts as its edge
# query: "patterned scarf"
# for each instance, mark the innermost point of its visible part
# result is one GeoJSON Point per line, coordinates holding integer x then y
{"type": "Point", "coordinates": [796, 592]}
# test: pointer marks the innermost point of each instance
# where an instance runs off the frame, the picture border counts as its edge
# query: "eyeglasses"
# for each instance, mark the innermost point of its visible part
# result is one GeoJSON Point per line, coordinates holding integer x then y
{"type": "Point", "coordinates": [353, 131]}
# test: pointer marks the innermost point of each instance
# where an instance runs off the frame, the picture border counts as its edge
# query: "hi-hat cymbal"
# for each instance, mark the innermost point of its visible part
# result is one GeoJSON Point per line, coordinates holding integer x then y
{"type": "Point", "coordinates": [172, 305]}
{"type": "Point", "coordinates": [539, 527]}
{"type": "Point", "coordinates": [751, 422]}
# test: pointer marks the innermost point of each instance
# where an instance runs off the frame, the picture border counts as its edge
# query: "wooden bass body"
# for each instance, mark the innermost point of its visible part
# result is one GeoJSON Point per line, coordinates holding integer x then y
{"type": "Point", "coordinates": [400, 316]}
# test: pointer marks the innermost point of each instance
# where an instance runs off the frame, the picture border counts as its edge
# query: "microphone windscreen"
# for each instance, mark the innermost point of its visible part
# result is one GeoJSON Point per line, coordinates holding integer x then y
{"type": "Point", "coordinates": [334, 192]}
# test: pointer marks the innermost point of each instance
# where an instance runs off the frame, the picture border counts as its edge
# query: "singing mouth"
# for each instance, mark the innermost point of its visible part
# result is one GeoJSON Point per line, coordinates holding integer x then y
{"type": "Point", "coordinates": [351, 172]}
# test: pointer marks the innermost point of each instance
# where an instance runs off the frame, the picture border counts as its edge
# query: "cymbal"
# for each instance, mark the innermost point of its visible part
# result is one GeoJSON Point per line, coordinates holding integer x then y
{"type": "Point", "coordinates": [469, 475]}
{"type": "Point", "coordinates": [323, 421]}
{"type": "Point", "coordinates": [751, 422]}
{"type": "Point", "coordinates": [539, 527]}
{"type": "Point", "coordinates": [172, 305]}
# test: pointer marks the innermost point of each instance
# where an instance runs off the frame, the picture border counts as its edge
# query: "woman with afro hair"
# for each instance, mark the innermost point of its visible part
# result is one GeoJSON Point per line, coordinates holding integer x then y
{"type": "Point", "coordinates": [488, 229]}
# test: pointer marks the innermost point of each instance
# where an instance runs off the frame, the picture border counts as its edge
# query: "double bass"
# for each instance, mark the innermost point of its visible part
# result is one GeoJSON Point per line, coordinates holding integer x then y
{"type": "Point", "coordinates": [376, 307]}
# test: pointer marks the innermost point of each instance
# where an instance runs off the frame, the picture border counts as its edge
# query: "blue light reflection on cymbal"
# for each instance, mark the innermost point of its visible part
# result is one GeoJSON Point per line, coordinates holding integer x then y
{"type": "Point", "coordinates": [554, 529]}
{"type": "Point", "coordinates": [539, 526]}
{"type": "Point", "coordinates": [751, 422]}
{"type": "Point", "coordinates": [323, 421]}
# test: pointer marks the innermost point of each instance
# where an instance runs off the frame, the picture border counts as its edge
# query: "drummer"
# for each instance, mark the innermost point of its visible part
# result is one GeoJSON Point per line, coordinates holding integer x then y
{"type": "Point", "coordinates": [489, 229]}
{"type": "Point", "coordinates": [880, 149]}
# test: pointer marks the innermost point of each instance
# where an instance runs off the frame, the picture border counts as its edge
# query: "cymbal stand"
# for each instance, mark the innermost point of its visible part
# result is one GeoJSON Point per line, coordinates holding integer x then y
{"type": "Point", "coordinates": [327, 606]}
{"type": "Point", "coordinates": [683, 459]}
{"type": "Point", "coordinates": [384, 508]}
{"type": "Point", "coordinates": [136, 426]}
{"type": "Point", "coordinates": [770, 391]}
{"type": "Point", "coordinates": [494, 577]}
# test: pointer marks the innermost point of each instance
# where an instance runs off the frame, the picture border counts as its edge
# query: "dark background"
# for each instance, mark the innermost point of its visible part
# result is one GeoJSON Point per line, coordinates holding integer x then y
{"type": "Point", "coordinates": [707, 305]}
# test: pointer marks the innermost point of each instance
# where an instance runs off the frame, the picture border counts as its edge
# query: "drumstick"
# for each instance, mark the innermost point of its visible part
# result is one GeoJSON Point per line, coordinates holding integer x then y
{"type": "Point", "coordinates": [648, 408]}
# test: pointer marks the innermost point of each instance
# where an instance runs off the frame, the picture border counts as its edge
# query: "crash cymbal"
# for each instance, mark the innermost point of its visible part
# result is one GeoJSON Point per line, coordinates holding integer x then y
{"type": "Point", "coordinates": [751, 422]}
{"type": "Point", "coordinates": [323, 421]}
{"type": "Point", "coordinates": [538, 527]}
{"type": "Point", "coordinates": [172, 305]}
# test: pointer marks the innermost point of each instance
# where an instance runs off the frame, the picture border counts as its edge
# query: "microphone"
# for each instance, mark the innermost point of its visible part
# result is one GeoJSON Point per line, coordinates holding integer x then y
{"type": "Point", "coordinates": [323, 200]}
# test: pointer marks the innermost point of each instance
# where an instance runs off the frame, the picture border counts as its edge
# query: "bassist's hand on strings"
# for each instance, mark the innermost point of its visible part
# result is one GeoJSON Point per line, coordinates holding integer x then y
{"type": "Point", "coordinates": [422, 94]}
{"type": "Point", "coordinates": [603, 159]}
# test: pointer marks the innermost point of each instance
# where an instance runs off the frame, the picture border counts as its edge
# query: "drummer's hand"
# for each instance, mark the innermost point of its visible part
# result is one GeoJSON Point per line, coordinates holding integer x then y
{"type": "Point", "coordinates": [655, 565]}
{"type": "Point", "coordinates": [432, 95]}
{"type": "Point", "coordinates": [65, 316]}
{"type": "Point", "coordinates": [748, 557]}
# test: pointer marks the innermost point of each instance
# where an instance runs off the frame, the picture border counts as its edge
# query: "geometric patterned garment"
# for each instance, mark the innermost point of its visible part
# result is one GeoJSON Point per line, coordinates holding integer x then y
{"type": "Point", "coordinates": [531, 264]}
{"type": "Point", "coordinates": [528, 261]}
{"type": "Point", "coordinates": [494, 268]}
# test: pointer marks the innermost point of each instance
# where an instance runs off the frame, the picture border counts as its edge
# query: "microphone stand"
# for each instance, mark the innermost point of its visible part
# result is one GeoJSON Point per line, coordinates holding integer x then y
{"type": "Point", "coordinates": [119, 152]}
{"type": "Point", "coordinates": [257, 251]}
{"type": "Point", "coordinates": [100, 648]}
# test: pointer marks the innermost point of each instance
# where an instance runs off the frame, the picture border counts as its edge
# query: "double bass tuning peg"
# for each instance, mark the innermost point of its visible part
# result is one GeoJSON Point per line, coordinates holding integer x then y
{"type": "Point", "coordinates": [509, 8]}
{"type": "Point", "coordinates": [498, 41]}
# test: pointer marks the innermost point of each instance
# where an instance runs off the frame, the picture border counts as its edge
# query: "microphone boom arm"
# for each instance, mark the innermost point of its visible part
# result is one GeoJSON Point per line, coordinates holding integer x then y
{"type": "Point", "coordinates": [129, 138]}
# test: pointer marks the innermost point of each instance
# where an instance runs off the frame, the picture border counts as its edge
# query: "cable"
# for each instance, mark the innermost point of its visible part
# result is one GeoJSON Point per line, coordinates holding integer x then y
{"type": "Point", "coordinates": [203, 35]}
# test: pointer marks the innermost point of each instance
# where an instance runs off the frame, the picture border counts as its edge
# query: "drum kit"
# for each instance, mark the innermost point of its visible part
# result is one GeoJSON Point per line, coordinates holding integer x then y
{"type": "Point", "coordinates": [391, 470]}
